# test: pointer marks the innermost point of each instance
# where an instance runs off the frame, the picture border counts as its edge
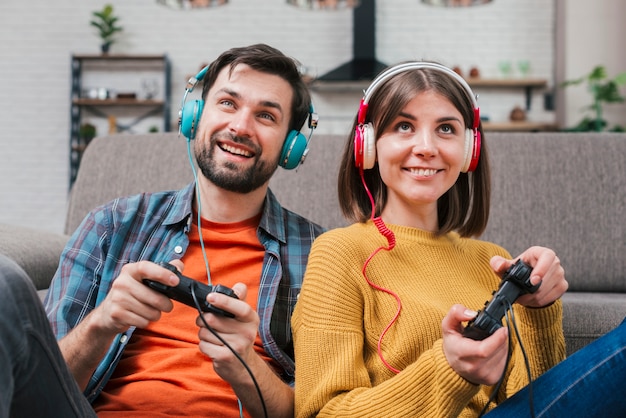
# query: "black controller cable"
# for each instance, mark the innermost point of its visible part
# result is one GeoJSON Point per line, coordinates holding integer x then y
{"type": "Point", "coordinates": [511, 324]}
{"type": "Point", "coordinates": [223, 341]}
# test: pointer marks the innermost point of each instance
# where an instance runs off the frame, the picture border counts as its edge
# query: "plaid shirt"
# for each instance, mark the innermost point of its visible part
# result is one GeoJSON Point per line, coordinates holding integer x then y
{"type": "Point", "coordinates": [154, 227]}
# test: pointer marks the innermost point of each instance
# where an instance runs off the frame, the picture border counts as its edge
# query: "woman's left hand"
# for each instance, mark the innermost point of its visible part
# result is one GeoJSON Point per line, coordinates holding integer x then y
{"type": "Point", "coordinates": [547, 271]}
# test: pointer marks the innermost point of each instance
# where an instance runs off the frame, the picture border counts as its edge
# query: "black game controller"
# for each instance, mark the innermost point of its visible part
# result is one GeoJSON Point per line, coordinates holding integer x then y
{"type": "Point", "coordinates": [184, 293]}
{"type": "Point", "coordinates": [515, 282]}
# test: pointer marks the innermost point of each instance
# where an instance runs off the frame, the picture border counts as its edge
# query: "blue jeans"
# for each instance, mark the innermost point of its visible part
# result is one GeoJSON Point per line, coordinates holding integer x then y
{"type": "Point", "coordinates": [34, 379]}
{"type": "Point", "coordinates": [589, 383]}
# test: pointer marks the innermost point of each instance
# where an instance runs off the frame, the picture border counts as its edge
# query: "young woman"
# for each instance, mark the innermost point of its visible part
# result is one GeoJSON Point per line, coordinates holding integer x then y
{"type": "Point", "coordinates": [379, 325]}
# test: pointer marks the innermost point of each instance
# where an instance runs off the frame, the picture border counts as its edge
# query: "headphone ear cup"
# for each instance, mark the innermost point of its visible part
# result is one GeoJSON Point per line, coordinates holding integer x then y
{"type": "Point", "coordinates": [190, 118]}
{"type": "Point", "coordinates": [475, 156]}
{"type": "Point", "coordinates": [364, 146]}
{"type": "Point", "coordinates": [369, 146]}
{"type": "Point", "coordinates": [358, 146]}
{"type": "Point", "coordinates": [467, 150]}
{"type": "Point", "coordinates": [294, 150]}
{"type": "Point", "coordinates": [472, 150]}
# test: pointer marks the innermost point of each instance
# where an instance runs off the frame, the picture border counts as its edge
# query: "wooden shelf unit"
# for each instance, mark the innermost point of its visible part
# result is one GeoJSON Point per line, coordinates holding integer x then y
{"type": "Point", "coordinates": [100, 107]}
{"type": "Point", "coordinates": [528, 84]}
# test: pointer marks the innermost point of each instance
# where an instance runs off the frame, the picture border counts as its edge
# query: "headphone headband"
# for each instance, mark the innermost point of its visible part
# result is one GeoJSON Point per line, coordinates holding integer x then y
{"type": "Point", "coordinates": [390, 72]}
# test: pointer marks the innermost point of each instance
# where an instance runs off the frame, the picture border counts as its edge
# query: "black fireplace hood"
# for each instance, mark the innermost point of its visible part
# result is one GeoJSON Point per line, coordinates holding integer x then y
{"type": "Point", "coordinates": [364, 65]}
{"type": "Point", "coordinates": [357, 69]}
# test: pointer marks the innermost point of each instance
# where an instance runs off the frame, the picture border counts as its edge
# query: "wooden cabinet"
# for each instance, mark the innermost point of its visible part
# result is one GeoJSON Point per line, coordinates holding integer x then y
{"type": "Point", "coordinates": [138, 86]}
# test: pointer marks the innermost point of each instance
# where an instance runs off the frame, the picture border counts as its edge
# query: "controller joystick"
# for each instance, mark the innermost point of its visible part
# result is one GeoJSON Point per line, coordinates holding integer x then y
{"type": "Point", "coordinates": [515, 282]}
{"type": "Point", "coordinates": [186, 288]}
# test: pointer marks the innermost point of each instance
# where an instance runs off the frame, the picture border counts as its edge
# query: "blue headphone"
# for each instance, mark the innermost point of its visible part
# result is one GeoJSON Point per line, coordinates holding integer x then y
{"type": "Point", "coordinates": [296, 145]}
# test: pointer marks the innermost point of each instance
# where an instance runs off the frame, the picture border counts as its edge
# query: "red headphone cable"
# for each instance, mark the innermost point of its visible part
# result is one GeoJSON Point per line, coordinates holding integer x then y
{"type": "Point", "coordinates": [391, 241]}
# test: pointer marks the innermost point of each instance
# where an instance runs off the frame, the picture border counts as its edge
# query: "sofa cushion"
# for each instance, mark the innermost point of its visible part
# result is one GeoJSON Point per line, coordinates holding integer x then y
{"type": "Point", "coordinates": [589, 315]}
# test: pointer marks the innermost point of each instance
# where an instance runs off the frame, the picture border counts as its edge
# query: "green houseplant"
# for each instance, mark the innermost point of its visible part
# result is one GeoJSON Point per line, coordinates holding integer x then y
{"type": "Point", "coordinates": [107, 24]}
{"type": "Point", "coordinates": [87, 132]}
{"type": "Point", "coordinates": [603, 90]}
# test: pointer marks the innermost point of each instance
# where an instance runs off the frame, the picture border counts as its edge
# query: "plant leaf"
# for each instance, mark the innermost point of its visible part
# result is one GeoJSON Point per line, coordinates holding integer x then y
{"type": "Point", "coordinates": [620, 78]}
{"type": "Point", "coordinates": [598, 73]}
{"type": "Point", "coordinates": [609, 93]}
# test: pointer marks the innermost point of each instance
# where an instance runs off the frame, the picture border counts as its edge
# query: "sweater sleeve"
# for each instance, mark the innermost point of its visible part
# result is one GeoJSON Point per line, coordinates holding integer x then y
{"type": "Point", "coordinates": [332, 377]}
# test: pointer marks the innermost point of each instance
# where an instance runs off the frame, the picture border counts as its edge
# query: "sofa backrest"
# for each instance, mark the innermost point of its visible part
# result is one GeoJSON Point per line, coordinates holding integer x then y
{"type": "Point", "coordinates": [125, 164]}
{"type": "Point", "coordinates": [565, 191]}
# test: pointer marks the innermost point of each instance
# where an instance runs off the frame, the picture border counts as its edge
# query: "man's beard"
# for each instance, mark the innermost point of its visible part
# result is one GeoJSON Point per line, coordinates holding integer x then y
{"type": "Point", "coordinates": [229, 176]}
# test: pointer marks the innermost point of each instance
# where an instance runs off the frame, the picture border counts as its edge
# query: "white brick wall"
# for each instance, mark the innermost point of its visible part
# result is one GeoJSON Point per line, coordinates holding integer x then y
{"type": "Point", "coordinates": [37, 38]}
{"type": "Point", "coordinates": [475, 37]}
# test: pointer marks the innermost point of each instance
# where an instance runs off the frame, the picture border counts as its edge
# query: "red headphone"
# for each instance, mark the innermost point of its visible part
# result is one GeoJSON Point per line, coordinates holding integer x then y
{"type": "Point", "coordinates": [365, 137]}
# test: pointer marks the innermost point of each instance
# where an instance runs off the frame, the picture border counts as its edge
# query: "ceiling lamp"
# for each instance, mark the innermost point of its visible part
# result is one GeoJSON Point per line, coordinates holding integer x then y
{"type": "Point", "coordinates": [324, 4]}
{"type": "Point", "coordinates": [191, 4]}
{"type": "Point", "coordinates": [455, 3]}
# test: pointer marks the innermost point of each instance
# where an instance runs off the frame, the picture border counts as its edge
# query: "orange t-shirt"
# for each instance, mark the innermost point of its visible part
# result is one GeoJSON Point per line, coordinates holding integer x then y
{"type": "Point", "coordinates": [162, 371]}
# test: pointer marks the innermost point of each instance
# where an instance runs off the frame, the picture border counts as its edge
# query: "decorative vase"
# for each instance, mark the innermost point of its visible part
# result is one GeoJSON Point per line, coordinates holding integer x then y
{"type": "Point", "coordinates": [517, 114]}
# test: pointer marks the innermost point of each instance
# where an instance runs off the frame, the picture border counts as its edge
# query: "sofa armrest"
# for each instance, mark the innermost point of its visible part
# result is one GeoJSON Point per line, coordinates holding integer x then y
{"type": "Point", "coordinates": [36, 252]}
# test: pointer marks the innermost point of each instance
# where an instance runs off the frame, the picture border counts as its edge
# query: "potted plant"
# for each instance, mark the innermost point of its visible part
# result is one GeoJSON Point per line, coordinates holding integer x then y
{"type": "Point", "coordinates": [603, 90]}
{"type": "Point", "coordinates": [106, 23]}
{"type": "Point", "coordinates": [86, 132]}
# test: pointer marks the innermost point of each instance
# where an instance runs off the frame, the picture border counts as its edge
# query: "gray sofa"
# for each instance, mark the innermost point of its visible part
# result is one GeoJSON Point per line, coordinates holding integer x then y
{"type": "Point", "coordinates": [561, 190]}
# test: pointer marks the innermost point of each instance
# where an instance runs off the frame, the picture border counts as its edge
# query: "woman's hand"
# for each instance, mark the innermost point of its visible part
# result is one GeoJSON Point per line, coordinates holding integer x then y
{"type": "Point", "coordinates": [479, 362]}
{"type": "Point", "coordinates": [547, 270]}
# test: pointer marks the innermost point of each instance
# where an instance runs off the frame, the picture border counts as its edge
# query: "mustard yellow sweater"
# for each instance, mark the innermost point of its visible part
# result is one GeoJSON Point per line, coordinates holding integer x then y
{"type": "Point", "coordinates": [339, 317]}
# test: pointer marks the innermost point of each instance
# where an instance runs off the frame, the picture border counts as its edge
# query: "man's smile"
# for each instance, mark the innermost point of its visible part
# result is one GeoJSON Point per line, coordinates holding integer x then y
{"type": "Point", "coordinates": [232, 149]}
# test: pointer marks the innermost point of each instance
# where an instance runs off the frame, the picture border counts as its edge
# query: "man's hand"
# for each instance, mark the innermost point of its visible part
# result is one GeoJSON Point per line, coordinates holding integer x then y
{"type": "Point", "coordinates": [239, 332]}
{"type": "Point", "coordinates": [128, 303]}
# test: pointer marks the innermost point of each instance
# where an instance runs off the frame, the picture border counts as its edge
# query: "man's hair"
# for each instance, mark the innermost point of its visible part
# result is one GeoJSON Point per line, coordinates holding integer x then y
{"type": "Point", "coordinates": [463, 208]}
{"type": "Point", "coordinates": [266, 59]}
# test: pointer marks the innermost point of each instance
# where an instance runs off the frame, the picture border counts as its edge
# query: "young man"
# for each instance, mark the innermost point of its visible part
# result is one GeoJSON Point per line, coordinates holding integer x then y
{"type": "Point", "coordinates": [136, 351]}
